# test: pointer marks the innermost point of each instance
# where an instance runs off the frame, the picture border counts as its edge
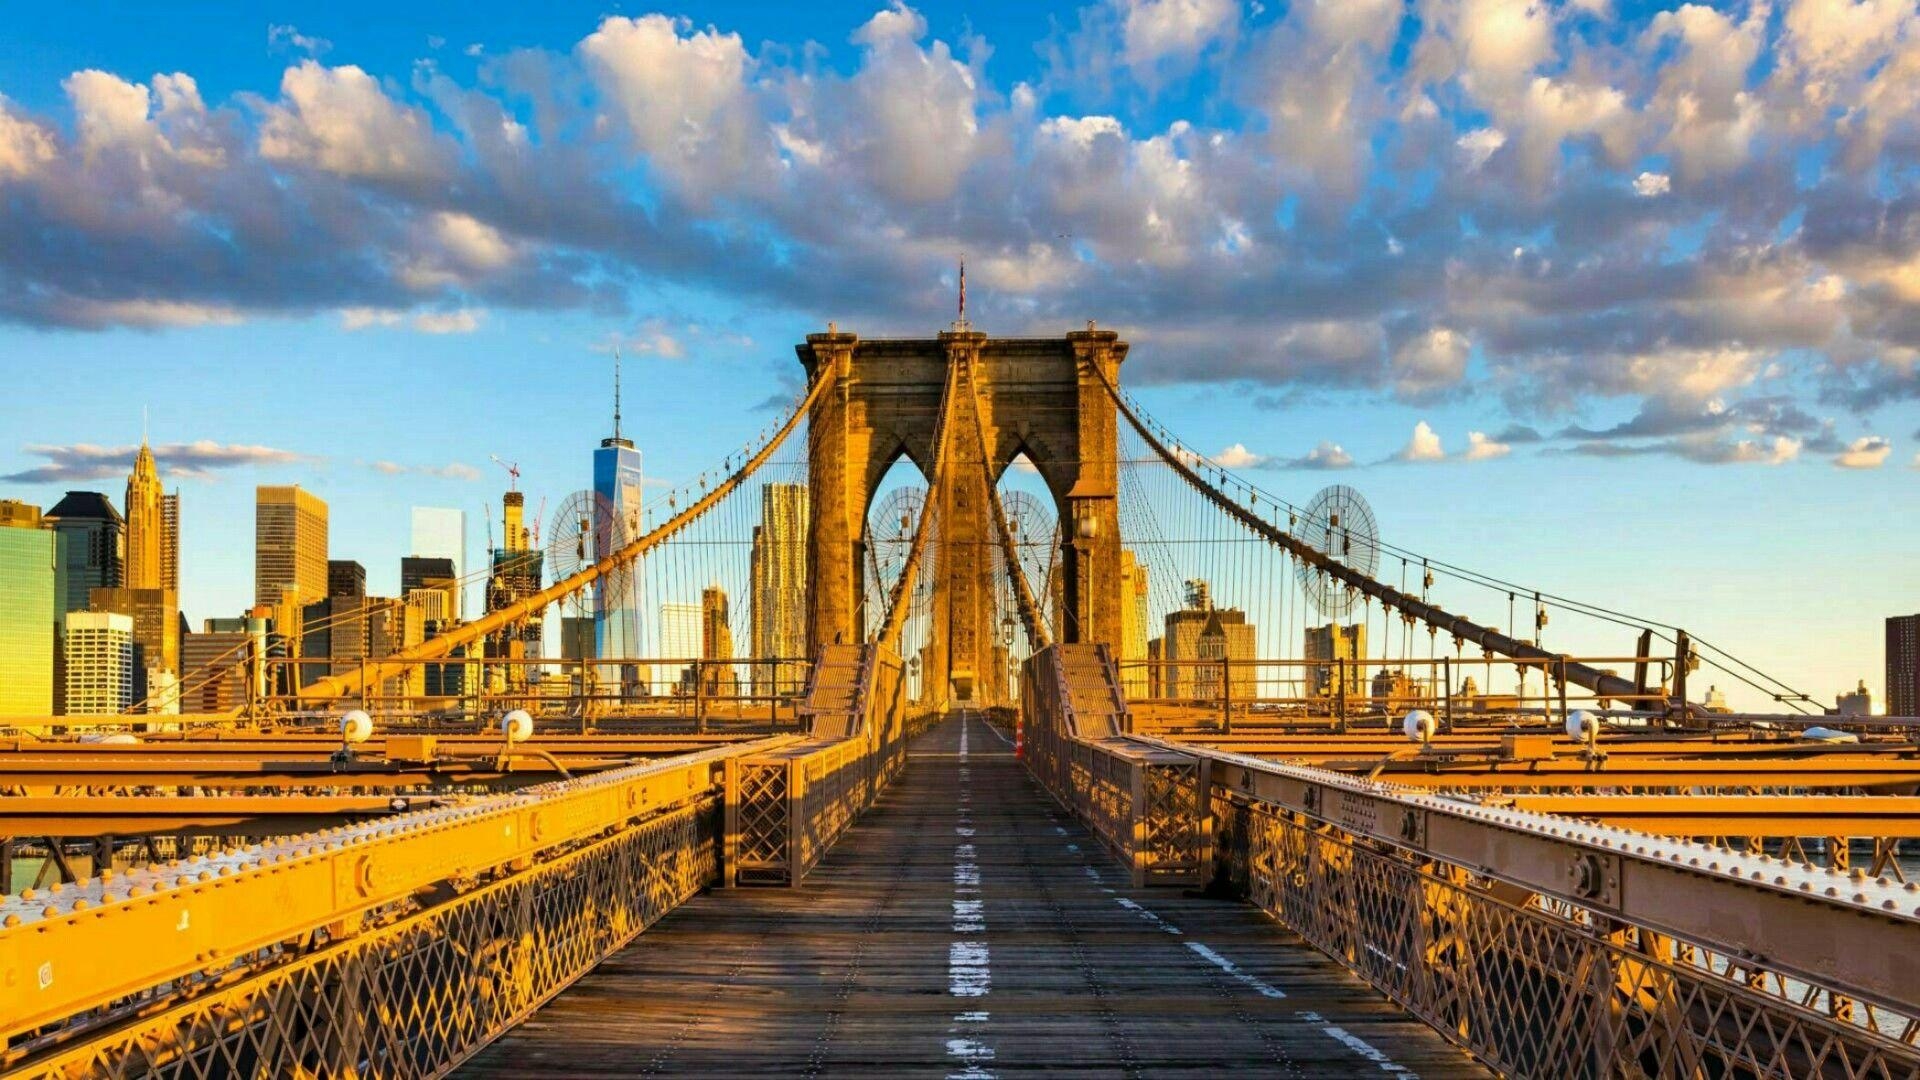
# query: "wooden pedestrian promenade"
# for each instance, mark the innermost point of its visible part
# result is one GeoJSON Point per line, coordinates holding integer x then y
{"type": "Point", "coordinates": [967, 926]}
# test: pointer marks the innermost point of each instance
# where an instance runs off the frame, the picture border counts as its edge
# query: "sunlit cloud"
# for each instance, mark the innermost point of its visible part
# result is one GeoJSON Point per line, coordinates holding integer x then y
{"type": "Point", "coordinates": [77, 462]}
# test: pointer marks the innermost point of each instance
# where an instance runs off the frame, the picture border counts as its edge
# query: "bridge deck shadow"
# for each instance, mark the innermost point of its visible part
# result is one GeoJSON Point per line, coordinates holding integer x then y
{"type": "Point", "coordinates": [968, 927]}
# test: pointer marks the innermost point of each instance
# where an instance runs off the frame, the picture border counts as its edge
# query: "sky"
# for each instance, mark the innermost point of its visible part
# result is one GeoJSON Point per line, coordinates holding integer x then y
{"type": "Point", "coordinates": [1620, 300]}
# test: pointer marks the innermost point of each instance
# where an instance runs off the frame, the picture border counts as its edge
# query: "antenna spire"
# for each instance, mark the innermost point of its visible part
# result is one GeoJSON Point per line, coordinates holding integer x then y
{"type": "Point", "coordinates": [143, 425]}
{"type": "Point", "coordinates": [616, 390]}
{"type": "Point", "coordinates": [963, 290]}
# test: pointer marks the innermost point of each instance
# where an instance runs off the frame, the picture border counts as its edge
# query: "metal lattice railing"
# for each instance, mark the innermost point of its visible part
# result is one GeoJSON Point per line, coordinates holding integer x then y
{"type": "Point", "coordinates": [1538, 988]}
{"type": "Point", "coordinates": [416, 996]}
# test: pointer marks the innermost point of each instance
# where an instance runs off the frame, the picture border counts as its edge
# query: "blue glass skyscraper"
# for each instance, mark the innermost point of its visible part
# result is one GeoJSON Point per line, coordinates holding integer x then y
{"type": "Point", "coordinates": [616, 601]}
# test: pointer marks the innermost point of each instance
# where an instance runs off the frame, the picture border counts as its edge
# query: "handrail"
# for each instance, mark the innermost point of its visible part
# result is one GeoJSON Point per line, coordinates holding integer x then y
{"type": "Point", "coordinates": [1868, 930]}
{"type": "Point", "coordinates": [118, 934]}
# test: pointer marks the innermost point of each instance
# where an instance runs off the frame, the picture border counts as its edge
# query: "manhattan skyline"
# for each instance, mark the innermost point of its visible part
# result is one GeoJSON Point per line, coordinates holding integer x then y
{"type": "Point", "coordinates": [1685, 345]}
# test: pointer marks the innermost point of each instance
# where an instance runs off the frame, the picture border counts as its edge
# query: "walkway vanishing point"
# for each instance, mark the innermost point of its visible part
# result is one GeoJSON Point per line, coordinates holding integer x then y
{"type": "Point", "coordinates": [968, 926]}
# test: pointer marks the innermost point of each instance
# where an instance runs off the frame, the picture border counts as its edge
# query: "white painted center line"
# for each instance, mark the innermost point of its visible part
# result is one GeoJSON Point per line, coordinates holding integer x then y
{"type": "Point", "coordinates": [1264, 989]}
{"type": "Point", "coordinates": [969, 971]}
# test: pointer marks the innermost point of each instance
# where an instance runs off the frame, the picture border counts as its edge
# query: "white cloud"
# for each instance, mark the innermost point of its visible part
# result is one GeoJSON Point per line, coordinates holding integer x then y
{"type": "Point", "coordinates": [1479, 145]}
{"type": "Point", "coordinates": [1866, 452]}
{"type": "Point", "coordinates": [281, 36]}
{"type": "Point", "coordinates": [1650, 184]}
{"type": "Point", "coordinates": [24, 145]}
{"type": "Point", "coordinates": [152, 314]}
{"type": "Point", "coordinates": [462, 321]}
{"type": "Point", "coordinates": [1238, 456]}
{"type": "Point", "coordinates": [683, 98]}
{"type": "Point", "coordinates": [1483, 447]}
{"type": "Point", "coordinates": [1327, 455]}
{"type": "Point", "coordinates": [908, 119]}
{"type": "Point", "coordinates": [359, 318]}
{"type": "Point", "coordinates": [473, 243]}
{"type": "Point", "coordinates": [1424, 445]}
{"type": "Point", "coordinates": [340, 121]}
{"type": "Point", "coordinates": [1178, 30]}
{"type": "Point", "coordinates": [1430, 363]}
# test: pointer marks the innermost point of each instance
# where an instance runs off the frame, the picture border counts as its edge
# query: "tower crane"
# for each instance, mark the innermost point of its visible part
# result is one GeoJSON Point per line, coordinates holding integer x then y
{"type": "Point", "coordinates": [513, 471]}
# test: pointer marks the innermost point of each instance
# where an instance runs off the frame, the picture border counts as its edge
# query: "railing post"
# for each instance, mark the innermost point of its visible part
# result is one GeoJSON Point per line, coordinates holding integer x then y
{"type": "Point", "coordinates": [1226, 694]}
{"type": "Point", "coordinates": [730, 827]}
{"type": "Point", "coordinates": [1137, 813]}
{"type": "Point", "coordinates": [797, 823]}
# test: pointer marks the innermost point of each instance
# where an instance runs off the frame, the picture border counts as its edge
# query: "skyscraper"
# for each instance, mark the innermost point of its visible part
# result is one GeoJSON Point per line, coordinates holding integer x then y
{"type": "Point", "coordinates": [89, 552]}
{"type": "Point", "coordinates": [1181, 641]}
{"type": "Point", "coordinates": [289, 545]}
{"type": "Point", "coordinates": [146, 525]}
{"type": "Point", "coordinates": [89, 549]}
{"type": "Point", "coordinates": [429, 583]}
{"type": "Point", "coordinates": [345, 577]}
{"type": "Point", "coordinates": [214, 668]}
{"type": "Point", "coordinates": [156, 629]}
{"type": "Point", "coordinates": [1227, 635]}
{"type": "Point", "coordinates": [99, 651]}
{"type": "Point", "coordinates": [26, 612]}
{"type": "Point", "coordinates": [170, 542]}
{"type": "Point", "coordinates": [778, 585]}
{"type": "Point", "coordinates": [1903, 665]}
{"type": "Point", "coordinates": [680, 632]}
{"type": "Point", "coordinates": [1131, 649]}
{"type": "Point", "coordinates": [1336, 642]}
{"type": "Point", "coordinates": [616, 483]}
{"type": "Point", "coordinates": [440, 533]}
{"type": "Point", "coordinates": [716, 642]}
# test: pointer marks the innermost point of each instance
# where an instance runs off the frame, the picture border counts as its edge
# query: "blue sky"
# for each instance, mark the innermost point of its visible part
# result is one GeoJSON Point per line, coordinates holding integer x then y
{"type": "Point", "coordinates": [1664, 261]}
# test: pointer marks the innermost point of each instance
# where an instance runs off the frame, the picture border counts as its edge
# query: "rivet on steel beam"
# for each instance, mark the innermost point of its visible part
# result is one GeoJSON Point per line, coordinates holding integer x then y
{"type": "Point", "coordinates": [1831, 891]}
{"type": "Point", "coordinates": [14, 920]}
{"type": "Point", "coordinates": [51, 910]}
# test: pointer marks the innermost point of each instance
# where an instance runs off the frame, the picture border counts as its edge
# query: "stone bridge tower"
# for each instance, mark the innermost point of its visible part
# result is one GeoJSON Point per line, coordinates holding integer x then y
{"type": "Point", "coordinates": [1038, 396]}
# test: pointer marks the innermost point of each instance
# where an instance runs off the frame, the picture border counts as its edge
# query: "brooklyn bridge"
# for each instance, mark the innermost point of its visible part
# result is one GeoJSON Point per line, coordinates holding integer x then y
{"type": "Point", "coordinates": [1345, 809]}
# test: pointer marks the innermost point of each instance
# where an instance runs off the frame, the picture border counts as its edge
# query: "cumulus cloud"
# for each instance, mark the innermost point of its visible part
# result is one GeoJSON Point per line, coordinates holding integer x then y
{"type": "Point", "coordinates": [1424, 445]}
{"type": "Point", "coordinates": [459, 321]}
{"type": "Point", "coordinates": [683, 98]}
{"type": "Point", "coordinates": [76, 462]}
{"type": "Point", "coordinates": [1327, 455]}
{"type": "Point", "coordinates": [1238, 456]}
{"type": "Point", "coordinates": [1582, 216]}
{"type": "Point", "coordinates": [1154, 31]}
{"type": "Point", "coordinates": [1482, 447]}
{"type": "Point", "coordinates": [1866, 452]}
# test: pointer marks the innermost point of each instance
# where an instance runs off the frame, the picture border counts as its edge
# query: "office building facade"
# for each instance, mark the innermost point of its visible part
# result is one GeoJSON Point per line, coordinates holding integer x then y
{"type": "Point", "coordinates": [778, 586]}
{"type": "Point", "coordinates": [99, 663]}
{"type": "Point", "coordinates": [441, 533]}
{"type": "Point", "coordinates": [26, 612]}
{"type": "Point", "coordinates": [289, 546]}
{"type": "Point", "coordinates": [1903, 665]}
{"type": "Point", "coordinates": [146, 525]}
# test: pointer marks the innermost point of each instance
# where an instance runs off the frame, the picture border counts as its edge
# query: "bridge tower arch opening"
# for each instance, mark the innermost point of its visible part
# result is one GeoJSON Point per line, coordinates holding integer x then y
{"type": "Point", "coordinates": [1044, 398]}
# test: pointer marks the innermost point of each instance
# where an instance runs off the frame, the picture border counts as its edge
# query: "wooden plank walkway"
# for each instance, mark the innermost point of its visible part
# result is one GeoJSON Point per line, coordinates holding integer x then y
{"type": "Point", "coordinates": [968, 927]}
